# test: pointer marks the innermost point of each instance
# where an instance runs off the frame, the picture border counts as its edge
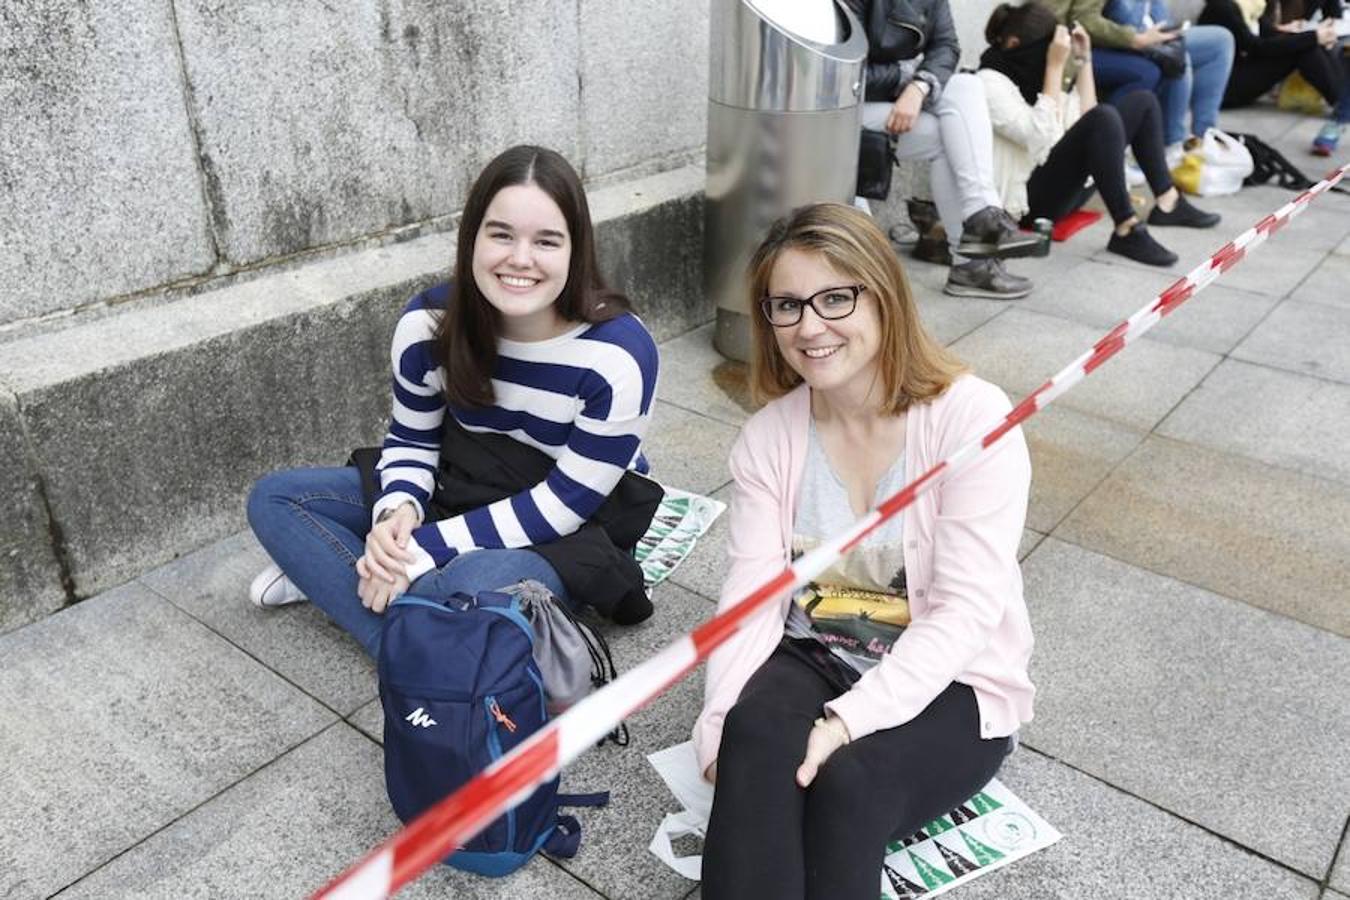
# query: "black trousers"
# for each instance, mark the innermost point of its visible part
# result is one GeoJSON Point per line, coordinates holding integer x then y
{"type": "Point", "coordinates": [1095, 145]}
{"type": "Point", "coordinates": [769, 838]}
{"type": "Point", "coordinates": [1252, 76]}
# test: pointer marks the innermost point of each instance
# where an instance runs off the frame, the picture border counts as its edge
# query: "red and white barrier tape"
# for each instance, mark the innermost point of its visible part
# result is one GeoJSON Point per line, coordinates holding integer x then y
{"type": "Point", "coordinates": [457, 818]}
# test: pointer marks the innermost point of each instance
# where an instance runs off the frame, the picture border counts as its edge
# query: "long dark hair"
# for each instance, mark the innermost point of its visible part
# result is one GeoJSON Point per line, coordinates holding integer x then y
{"type": "Point", "coordinates": [1034, 26]}
{"type": "Point", "coordinates": [467, 334]}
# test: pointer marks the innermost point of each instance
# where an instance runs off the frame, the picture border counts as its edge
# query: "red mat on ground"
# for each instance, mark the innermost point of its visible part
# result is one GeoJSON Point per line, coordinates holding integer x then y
{"type": "Point", "coordinates": [1073, 223]}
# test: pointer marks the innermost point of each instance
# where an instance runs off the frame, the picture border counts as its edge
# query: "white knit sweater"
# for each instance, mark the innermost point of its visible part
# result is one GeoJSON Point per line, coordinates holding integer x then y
{"type": "Point", "coordinates": [1023, 134]}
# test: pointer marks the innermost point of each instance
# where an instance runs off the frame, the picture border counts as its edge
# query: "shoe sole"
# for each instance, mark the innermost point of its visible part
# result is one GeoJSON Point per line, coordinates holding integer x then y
{"type": "Point", "coordinates": [961, 290]}
{"type": "Point", "coordinates": [1007, 250]}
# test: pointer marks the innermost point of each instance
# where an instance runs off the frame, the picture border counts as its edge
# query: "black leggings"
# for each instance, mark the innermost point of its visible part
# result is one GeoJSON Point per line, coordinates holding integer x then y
{"type": "Point", "coordinates": [1095, 146]}
{"type": "Point", "coordinates": [769, 838]}
{"type": "Point", "coordinates": [1252, 76]}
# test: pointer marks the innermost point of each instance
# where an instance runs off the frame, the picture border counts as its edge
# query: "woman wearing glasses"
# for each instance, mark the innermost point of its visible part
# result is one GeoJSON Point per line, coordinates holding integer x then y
{"type": "Point", "coordinates": [888, 692]}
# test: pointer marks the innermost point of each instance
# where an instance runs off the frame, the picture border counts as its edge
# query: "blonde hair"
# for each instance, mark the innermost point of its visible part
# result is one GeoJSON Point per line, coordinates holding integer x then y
{"type": "Point", "coordinates": [913, 368]}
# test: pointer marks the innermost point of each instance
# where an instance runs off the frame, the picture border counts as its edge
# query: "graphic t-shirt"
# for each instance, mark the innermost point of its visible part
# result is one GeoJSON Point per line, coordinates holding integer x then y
{"type": "Point", "coordinates": [859, 605]}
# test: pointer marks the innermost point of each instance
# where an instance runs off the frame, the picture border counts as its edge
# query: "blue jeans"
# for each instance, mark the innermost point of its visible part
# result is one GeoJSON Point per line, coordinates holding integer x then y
{"type": "Point", "coordinates": [1118, 72]}
{"type": "Point", "coordinates": [1199, 91]}
{"type": "Point", "coordinates": [313, 523]}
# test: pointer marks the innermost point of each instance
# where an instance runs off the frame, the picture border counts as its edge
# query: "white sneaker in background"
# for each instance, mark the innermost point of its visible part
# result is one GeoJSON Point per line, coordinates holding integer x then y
{"type": "Point", "coordinates": [272, 588]}
{"type": "Point", "coordinates": [1134, 176]}
{"type": "Point", "coordinates": [1174, 154]}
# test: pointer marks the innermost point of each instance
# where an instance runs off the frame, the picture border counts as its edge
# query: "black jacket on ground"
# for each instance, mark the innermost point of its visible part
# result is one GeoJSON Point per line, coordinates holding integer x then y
{"type": "Point", "coordinates": [898, 31]}
{"type": "Point", "coordinates": [595, 563]}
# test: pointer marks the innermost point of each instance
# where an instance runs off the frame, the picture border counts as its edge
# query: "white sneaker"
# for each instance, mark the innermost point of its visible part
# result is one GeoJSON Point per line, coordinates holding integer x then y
{"type": "Point", "coordinates": [271, 588]}
{"type": "Point", "coordinates": [1134, 176]}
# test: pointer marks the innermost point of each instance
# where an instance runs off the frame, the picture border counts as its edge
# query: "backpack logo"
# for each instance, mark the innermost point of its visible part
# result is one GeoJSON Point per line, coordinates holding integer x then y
{"type": "Point", "coordinates": [419, 717]}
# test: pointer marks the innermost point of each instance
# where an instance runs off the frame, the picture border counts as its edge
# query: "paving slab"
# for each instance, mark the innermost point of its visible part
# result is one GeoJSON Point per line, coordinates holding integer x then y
{"type": "Point", "coordinates": [1071, 452]}
{"type": "Point", "coordinates": [1117, 847]}
{"type": "Point", "coordinates": [1020, 349]}
{"type": "Point", "coordinates": [1223, 714]}
{"type": "Point", "coordinates": [1340, 875]}
{"type": "Point", "coordinates": [298, 642]}
{"type": "Point", "coordinates": [296, 824]}
{"type": "Point", "coordinates": [687, 450]}
{"type": "Point", "coordinates": [116, 717]}
{"type": "Point", "coordinates": [1285, 269]}
{"type": "Point", "coordinates": [696, 378]}
{"type": "Point", "coordinates": [1270, 537]}
{"type": "Point", "coordinates": [614, 858]}
{"type": "Point", "coordinates": [1277, 417]}
{"type": "Point", "coordinates": [1030, 540]}
{"type": "Point", "coordinates": [621, 125]}
{"type": "Point", "coordinates": [100, 184]}
{"type": "Point", "coordinates": [1302, 337]}
{"type": "Point", "coordinates": [1096, 294]}
{"type": "Point", "coordinates": [948, 319]}
{"type": "Point", "coordinates": [350, 124]}
{"type": "Point", "coordinates": [1329, 284]}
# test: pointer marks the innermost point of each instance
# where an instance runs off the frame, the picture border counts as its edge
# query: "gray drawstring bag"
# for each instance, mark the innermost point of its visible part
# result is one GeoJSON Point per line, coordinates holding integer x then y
{"type": "Point", "coordinates": [572, 658]}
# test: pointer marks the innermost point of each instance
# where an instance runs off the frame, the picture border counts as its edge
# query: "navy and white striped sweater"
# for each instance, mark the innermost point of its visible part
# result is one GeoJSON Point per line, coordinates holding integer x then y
{"type": "Point", "coordinates": [584, 398]}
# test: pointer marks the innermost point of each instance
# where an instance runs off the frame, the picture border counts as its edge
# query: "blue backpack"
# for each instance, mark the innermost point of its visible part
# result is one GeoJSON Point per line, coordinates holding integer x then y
{"type": "Point", "coordinates": [460, 688]}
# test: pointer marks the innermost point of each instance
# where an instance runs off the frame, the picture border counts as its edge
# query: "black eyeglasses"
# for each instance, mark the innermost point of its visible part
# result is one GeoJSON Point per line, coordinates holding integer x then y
{"type": "Point", "coordinates": [831, 303]}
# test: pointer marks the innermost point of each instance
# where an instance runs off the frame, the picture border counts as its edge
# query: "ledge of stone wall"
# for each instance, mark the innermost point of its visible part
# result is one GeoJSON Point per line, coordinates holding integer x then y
{"type": "Point", "coordinates": [139, 435]}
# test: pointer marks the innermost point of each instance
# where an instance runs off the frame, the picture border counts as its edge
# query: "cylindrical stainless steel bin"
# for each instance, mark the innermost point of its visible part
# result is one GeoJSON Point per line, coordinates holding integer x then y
{"type": "Point", "coordinates": [784, 115]}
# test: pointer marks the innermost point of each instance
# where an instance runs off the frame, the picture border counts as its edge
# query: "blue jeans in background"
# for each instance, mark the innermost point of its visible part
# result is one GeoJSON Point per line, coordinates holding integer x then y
{"type": "Point", "coordinates": [1118, 72]}
{"type": "Point", "coordinates": [313, 523]}
{"type": "Point", "coordinates": [1209, 59]}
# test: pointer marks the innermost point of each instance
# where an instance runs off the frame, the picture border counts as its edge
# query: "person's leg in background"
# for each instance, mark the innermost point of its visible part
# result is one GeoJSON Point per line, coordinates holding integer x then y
{"type": "Point", "coordinates": [1210, 49]}
{"type": "Point", "coordinates": [1119, 72]}
{"type": "Point", "coordinates": [1330, 136]}
{"type": "Point", "coordinates": [957, 140]}
{"type": "Point", "coordinates": [1095, 145]}
{"type": "Point", "coordinates": [1253, 76]}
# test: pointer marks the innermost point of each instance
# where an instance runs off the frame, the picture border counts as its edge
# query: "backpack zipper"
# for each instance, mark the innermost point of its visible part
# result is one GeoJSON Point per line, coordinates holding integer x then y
{"type": "Point", "coordinates": [502, 718]}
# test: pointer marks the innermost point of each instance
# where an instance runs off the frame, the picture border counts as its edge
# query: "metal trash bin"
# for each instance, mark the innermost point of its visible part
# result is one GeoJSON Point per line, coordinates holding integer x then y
{"type": "Point", "coordinates": [784, 115]}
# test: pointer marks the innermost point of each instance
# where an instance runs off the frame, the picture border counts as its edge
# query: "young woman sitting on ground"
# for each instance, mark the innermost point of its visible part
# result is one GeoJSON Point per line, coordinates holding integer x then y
{"type": "Point", "coordinates": [1268, 52]}
{"type": "Point", "coordinates": [1048, 142]}
{"type": "Point", "coordinates": [887, 693]}
{"type": "Point", "coordinates": [526, 341]}
{"type": "Point", "coordinates": [941, 117]}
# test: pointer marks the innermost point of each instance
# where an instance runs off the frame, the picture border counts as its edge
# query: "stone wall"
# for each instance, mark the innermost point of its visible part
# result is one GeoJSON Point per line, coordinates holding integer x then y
{"type": "Point", "coordinates": [151, 141]}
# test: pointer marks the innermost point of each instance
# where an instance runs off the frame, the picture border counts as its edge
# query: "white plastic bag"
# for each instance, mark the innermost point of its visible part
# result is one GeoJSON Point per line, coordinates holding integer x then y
{"type": "Point", "coordinates": [1216, 167]}
{"type": "Point", "coordinates": [678, 768]}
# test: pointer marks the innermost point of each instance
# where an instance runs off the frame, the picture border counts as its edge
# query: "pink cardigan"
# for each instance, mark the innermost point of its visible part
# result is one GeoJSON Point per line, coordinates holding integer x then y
{"type": "Point", "coordinates": [969, 622]}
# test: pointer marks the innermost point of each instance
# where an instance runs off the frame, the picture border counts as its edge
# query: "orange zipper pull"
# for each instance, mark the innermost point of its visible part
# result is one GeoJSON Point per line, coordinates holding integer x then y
{"type": "Point", "coordinates": [502, 717]}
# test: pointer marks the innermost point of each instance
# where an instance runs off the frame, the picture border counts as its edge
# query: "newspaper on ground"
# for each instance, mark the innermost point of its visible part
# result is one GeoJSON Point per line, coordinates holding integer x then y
{"type": "Point", "coordinates": [990, 830]}
{"type": "Point", "coordinates": [680, 521]}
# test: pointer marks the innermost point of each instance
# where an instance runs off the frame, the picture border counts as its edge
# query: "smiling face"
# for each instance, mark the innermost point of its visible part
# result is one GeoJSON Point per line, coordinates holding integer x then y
{"type": "Point", "coordinates": [521, 258]}
{"type": "Point", "coordinates": [834, 356]}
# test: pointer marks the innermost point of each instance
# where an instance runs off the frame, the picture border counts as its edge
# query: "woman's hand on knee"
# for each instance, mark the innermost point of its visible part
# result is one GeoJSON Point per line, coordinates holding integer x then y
{"type": "Point", "coordinates": [905, 110]}
{"type": "Point", "coordinates": [828, 735]}
{"type": "Point", "coordinates": [387, 545]}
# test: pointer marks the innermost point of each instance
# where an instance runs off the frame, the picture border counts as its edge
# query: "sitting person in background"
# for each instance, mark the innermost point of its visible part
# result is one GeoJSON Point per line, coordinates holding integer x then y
{"type": "Point", "coordinates": [1048, 142]}
{"type": "Point", "coordinates": [1199, 89]}
{"type": "Point", "coordinates": [1119, 66]}
{"type": "Point", "coordinates": [942, 117]}
{"type": "Point", "coordinates": [830, 730]}
{"type": "Point", "coordinates": [1268, 52]}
